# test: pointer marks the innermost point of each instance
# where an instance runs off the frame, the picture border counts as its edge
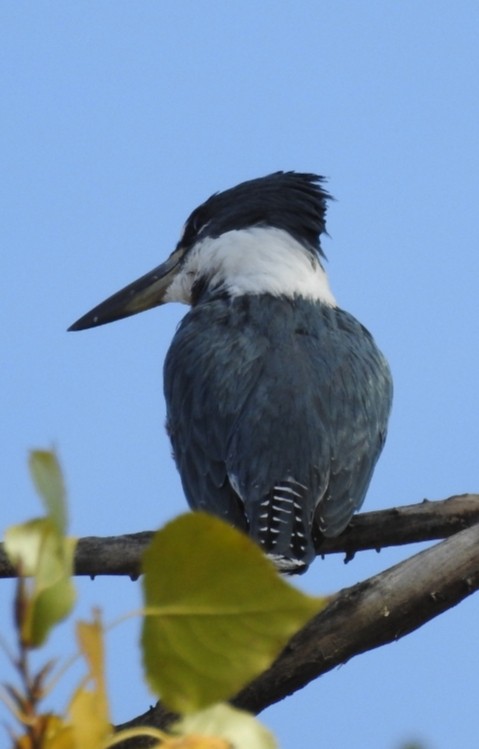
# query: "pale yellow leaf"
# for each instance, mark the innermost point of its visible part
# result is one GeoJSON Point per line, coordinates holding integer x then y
{"type": "Point", "coordinates": [40, 551]}
{"type": "Point", "coordinates": [196, 742]}
{"type": "Point", "coordinates": [223, 722]}
{"type": "Point", "coordinates": [48, 479]}
{"type": "Point", "coordinates": [90, 638]}
{"type": "Point", "coordinates": [43, 555]}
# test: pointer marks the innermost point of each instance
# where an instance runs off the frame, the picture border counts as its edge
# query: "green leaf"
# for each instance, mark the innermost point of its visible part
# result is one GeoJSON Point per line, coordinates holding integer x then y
{"type": "Point", "coordinates": [238, 728]}
{"type": "Point", "coordinates": [221, 612]}
{"type": "Point", "coordinates": [38, 550]}
{"type": "Point", "coordinates": [47, 477]}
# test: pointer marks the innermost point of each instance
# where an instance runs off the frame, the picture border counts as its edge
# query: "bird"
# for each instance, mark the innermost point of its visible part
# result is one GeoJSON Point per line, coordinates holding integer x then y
{"type": "Point", "coordinates": [277, 399]}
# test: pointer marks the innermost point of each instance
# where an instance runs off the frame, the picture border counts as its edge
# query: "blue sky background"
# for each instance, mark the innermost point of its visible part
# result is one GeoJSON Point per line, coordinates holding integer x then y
{"type": "Point", "coordinates": [117, 119]}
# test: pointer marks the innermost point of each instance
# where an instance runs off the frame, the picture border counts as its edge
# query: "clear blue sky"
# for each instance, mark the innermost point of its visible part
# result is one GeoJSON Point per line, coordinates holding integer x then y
{"type": "Point", "coordinates": [117, 119]}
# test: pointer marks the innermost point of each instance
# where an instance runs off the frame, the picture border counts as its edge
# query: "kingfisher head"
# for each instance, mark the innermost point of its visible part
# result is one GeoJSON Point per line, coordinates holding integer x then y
{"type": "Point", "coordinates": [260, 237]}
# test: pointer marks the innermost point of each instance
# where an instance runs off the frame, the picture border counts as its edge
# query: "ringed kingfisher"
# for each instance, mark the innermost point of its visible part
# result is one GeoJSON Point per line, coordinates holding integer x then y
{"type": "Point", "coordinates": [277, 399]}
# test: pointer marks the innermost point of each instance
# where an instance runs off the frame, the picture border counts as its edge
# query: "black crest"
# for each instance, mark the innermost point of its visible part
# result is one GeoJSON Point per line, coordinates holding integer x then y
{"type": "Point", "coordinates": [292, 201]}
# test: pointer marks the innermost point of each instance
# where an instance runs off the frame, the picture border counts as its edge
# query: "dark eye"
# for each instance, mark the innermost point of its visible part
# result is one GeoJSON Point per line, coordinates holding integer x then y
{"type": "Point", "coordinates": [196, 222]}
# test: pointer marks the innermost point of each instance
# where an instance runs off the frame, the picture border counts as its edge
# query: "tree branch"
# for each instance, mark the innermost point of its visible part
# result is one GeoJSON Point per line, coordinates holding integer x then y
{"type": "Point", "coordinates": [375, 612]}
{"type": "Point", "coordinates": [427, 521]}
{"type": "Point", "coordinates": [372, 613]}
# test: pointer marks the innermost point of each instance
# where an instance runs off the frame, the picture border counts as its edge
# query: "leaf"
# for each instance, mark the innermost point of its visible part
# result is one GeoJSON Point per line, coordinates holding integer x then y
{"type": "Point", "coordinates": [59, 734]}
{"type": "Point", "coordinates": [222, 613]}
{"type": "Point", "coordinates": [49, 732]}
{"type": "Point", "coordinates": [221, 722]}
{"type": "Point", "coordinates": [90, 638]}
{"type": "Point", "coordinates": [196, 742]}
{"type": "Point", "coordinates": [88, 713]}
{"type": "Point", "coordinates": [87, 726]}
{"type": "Point", "coordinates": [38, 550]}
{"type": "Point", "coordinates": [48, 479]}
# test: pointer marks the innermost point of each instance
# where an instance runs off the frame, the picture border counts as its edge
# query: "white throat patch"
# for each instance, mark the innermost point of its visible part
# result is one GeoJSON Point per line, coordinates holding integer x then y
{"type": "Point", "coordinates": [259, 260]}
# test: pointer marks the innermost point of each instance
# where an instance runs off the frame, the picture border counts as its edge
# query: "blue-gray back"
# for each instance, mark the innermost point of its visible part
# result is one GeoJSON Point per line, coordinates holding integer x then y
{"type": "Point", "coordinates": [269, 396]}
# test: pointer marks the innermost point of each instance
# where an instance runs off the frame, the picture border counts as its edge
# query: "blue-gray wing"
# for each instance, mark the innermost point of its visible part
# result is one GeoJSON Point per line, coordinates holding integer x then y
{"type": "Point", "coordinates": [359, 407]}
{"type": "Point", "coordinates": [209, 372]}
{"type": "Point", "coordinates": [277, 412]}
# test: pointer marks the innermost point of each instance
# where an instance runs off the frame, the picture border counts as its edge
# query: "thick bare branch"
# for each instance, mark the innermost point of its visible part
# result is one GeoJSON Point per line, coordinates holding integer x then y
{"type": "Point", "coordinates": [121, 555]}
{"type": "Point", "coordinates": [372, 613]}
{"type": "Point", "coordinates": [375, 612]}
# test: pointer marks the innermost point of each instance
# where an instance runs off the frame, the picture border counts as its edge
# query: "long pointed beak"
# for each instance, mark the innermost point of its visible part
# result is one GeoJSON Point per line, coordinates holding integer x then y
{"type": "Point", "coordinates": [144, 293]}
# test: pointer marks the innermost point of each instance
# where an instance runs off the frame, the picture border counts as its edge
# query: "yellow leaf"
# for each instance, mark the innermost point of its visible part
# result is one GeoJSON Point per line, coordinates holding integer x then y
{"type": "Point", "coordinates": [90, 638]}
{"type": "Point", "coordinates": [59, 735]}
{"type": "Point", "coordinates": [87, 721]}
{"type": "Point", "coordinates": [23, 742]}
{"type": "Point", "coordinates": [52, 733]}
{"type": "Point", "coordinates": [217, 612]}
{"type": "Point", "coordinates": [88, 712]}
